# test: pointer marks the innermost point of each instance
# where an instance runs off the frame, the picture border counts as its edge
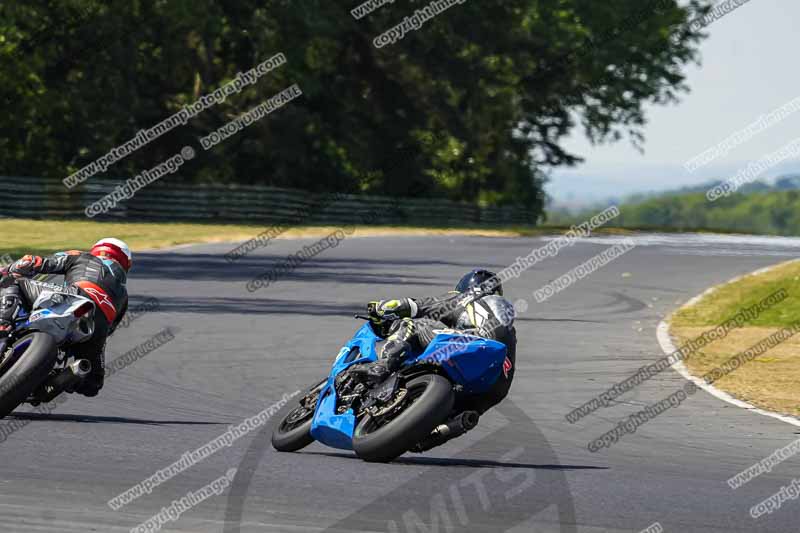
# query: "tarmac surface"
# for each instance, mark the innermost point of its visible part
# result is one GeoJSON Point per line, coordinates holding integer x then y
{"type": "Point", "coordinates": [525, 468]}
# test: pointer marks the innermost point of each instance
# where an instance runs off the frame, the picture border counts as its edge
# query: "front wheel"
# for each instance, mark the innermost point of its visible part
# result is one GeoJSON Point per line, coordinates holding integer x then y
{"type": "Point", "coordinates": [293, 432]}
{"type": "Point", "coordinates": [429, 402]}
{"type": "Point", "coordinates": [25, 366]}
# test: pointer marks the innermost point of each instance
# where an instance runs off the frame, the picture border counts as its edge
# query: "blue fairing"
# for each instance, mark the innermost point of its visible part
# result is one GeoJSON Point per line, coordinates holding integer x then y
{"type": "Point", "coordinates": [472, 362]}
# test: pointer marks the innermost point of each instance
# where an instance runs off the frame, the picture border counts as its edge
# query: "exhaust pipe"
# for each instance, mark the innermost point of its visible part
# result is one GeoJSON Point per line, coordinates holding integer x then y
{"type": "Point", "coordinates": [66, 380]}
{"type": "Point", "coordinates": [70, 376]}
{"type": "Point", "coordinates": [455, 427]}
{"type": "Point", "coordinates": [459, 425]}
{"type": "Point", "coordinates": [81, 367]}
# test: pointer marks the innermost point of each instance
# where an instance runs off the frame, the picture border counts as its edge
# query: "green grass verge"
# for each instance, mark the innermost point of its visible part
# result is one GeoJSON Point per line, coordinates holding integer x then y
{"type": "Point", "coordinates": [41, 237]}
{"type": "Point", "coordinates": [770, 380]}
{"type": "Point", "coordinates": [18, 236]}
{"type": "Point", "coordinates": [22, 236]}
{"type": "Point", "coordinates": [729, 299]}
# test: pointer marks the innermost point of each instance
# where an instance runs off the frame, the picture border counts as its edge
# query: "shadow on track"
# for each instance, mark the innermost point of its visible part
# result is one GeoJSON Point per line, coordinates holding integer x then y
{"type": "Point", "coordinates": [494, 497]}
{"type": "Point", "coordinates": [108, 420]}
{"type": "Point", "coordinates": [206, 267]}
{"type": "Point", "coordinates": [471, 463]}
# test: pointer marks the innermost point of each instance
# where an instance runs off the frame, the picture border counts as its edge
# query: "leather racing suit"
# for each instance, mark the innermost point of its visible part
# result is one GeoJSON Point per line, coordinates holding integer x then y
{"type": "Point", "coordinates": [100, 279]}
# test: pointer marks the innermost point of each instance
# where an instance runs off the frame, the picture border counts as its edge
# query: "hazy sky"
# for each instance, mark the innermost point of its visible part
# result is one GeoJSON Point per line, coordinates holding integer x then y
{"type": "Point", "coordinates": [749, 68]}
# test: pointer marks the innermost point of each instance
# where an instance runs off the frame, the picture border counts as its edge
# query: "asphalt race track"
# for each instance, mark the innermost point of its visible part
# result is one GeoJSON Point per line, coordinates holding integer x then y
{"type": "Point", "coordinates": [524, 469]}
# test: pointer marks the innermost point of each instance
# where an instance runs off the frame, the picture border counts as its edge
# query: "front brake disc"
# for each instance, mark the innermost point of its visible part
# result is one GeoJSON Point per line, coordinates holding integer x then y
{"type": "Point", "coordinates": [397, 403]}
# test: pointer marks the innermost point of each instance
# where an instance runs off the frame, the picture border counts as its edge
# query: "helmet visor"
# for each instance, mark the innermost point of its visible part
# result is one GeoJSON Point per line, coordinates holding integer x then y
{"type": "Point", "coordinates": [465, 283]}
{"type": "Point", "coordinates": [473, 279]}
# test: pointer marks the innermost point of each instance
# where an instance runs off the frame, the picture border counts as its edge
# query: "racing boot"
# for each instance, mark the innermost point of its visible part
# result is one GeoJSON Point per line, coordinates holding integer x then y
{"type": "Point", "coordinates": [455, 427]}
{"type": "Point", "coordinates": [394, 351]}
{"type": "Point", "coordinates": [392, 355]}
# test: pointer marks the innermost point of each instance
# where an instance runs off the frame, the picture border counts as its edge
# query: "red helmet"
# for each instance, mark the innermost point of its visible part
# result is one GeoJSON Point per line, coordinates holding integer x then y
{"type": "Point", "coordinates": [113, 249]}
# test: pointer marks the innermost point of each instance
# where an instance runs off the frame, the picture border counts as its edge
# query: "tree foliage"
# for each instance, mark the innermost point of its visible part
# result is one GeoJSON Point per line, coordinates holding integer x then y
{"type": "Point", "coordinates": [472, 106]}
{"type": "Point", "coordinates": [757, 207]}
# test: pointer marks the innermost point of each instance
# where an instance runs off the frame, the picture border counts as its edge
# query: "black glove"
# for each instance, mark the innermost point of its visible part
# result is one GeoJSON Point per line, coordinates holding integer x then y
{"type": "Point", "coordinates": [26, 266]}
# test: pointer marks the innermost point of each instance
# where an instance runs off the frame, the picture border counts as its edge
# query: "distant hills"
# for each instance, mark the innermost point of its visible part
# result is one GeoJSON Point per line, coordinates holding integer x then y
{"type": "Point", "coordinates": [787, 182]}
{"type": "Point", "coordinates": [758, 208]}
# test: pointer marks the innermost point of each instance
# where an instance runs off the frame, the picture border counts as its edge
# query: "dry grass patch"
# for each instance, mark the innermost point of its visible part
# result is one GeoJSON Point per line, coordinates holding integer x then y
{"type": "Point", "coordinates": [771, 381]}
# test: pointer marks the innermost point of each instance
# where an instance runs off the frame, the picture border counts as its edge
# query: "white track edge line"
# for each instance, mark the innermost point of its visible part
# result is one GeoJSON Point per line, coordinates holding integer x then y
{"type": "Point", "coordinates": [668, 347]}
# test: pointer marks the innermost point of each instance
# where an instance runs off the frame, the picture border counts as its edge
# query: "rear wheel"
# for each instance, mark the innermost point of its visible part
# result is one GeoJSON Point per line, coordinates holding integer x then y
{"type": "Point", "coordinates": [293, 431]}
{"type": "Point", "coordinates": [429, 400]}
{"type": "Point", "coordinates": [27, 364]}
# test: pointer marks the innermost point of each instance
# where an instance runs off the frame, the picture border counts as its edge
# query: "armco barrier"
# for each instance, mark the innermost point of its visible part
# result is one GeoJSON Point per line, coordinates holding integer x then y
{"type": "Point", "coordinates": [172, 200]}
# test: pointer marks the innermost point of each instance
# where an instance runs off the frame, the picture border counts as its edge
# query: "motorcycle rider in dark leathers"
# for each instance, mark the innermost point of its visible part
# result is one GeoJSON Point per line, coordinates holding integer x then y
{"type": "Point", "coordinates": [100, 275]}
{"type": "Point", "coordinates": [476, 307]}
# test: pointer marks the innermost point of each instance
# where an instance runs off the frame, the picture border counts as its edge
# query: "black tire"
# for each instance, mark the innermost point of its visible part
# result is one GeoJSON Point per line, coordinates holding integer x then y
{"type": "Point", "coordinates": [432, 401]}
{"type": "Point", "coordinates": [27, 372]}
{"type": "Point", "coordinates": [292, 435]}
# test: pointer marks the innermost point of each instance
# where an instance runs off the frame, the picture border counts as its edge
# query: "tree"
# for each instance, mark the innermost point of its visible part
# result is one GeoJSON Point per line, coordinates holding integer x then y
{"type": "Point", "coordinates": [473, 105]}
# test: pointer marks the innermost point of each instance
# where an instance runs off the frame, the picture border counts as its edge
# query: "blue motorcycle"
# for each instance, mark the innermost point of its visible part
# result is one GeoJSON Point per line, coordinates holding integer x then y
{"type": "Point", "coordinates": [382, 421]}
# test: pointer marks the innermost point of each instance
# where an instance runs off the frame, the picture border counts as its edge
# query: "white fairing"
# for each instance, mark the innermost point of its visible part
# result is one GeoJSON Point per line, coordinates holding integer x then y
{"type": "Point", "coordinates": [54, 313]}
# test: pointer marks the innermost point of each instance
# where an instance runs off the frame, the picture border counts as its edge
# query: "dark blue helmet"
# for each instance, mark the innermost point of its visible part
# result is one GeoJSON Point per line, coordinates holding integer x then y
{"type": "Point", "coordinates": [489, 282]}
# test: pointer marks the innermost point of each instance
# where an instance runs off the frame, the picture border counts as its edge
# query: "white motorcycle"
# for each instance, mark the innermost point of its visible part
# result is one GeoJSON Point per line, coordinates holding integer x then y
{"type": "Point", "coordinates": [35, 366]}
